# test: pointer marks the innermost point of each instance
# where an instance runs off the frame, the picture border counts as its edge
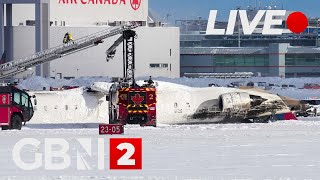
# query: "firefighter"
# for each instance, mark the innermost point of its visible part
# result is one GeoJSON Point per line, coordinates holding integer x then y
{"type": "Point", "coordinates": [70, 37]}
{"type": "Point", "coordinates": [67, 38]}
{"type": "Point", "coordinates": [150, 82]}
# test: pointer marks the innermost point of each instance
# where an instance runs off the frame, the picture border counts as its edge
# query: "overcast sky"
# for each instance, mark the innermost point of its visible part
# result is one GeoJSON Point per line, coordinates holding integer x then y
{"type": "Point", "coordinates": [182, 9]}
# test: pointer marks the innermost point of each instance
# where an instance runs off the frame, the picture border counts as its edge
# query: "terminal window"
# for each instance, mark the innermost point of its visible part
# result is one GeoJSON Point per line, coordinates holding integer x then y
{"type": "Point", "coordinates": [155, 65]}
{"type": "Point", "coordinates": [159, 65]}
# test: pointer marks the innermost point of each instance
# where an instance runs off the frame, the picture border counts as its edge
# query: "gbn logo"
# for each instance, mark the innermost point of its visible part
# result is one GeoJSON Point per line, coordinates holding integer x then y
{"type": "Point", "coordinates": [125, 153]}
{"type": "Point", "coordinates": [297, 22]}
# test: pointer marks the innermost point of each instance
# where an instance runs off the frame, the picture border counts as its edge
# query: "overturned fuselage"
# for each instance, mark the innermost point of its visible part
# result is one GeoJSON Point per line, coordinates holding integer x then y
{"type": "Point", "coordinates": [176, 104]}
{"type": "Point", "coordinates": [179, 104]}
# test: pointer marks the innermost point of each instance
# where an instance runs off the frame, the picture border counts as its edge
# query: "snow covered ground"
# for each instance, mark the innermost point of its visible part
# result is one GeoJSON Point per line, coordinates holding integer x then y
{"type": "Point", "coordinates": [282, 150]}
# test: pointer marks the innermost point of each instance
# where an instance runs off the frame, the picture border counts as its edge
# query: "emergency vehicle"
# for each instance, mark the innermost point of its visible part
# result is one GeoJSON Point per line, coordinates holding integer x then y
{"type": "Point", "coordinates": [314, 103]}
{"type": "Point", "coordinates": [15, 107]}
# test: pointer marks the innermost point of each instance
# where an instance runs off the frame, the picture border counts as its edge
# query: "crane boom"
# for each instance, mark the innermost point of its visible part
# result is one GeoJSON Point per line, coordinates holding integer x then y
{"type": "Point", "coordinates": [128, 41]}
{"type": "Point", "coordinates": [112, 50]}
{"type": "Point", "coordinates": [18, 66]}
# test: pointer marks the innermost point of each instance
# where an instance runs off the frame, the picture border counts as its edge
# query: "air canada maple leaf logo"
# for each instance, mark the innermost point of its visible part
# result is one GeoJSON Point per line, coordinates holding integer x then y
{"type": "Point", "coordinates": [135, 4]}
{"type": "Point", "coordinates": [137, 99]}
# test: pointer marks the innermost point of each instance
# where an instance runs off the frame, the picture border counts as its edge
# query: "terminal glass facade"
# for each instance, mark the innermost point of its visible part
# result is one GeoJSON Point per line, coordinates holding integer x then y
{"type": "Point", "coordinates": [303, 65]}
{"type": "Point", "coordinates": [213, 63]}
{"type": "Point", "coordinates": [302, 59]}
{"type": "Point", "coordinates": [241, 60]}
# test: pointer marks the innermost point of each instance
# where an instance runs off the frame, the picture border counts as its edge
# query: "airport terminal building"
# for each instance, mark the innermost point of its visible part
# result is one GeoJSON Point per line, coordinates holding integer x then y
{"type": "Point", "coordinates": [287, 55]}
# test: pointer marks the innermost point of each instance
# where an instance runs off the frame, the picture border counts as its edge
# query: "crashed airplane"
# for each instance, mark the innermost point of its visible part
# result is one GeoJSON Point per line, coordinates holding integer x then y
{"type": "Point", "coordinates": [178, 104]}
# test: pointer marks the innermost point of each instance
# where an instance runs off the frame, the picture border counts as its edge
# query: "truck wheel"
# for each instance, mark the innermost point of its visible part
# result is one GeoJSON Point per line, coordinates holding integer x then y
{"type": "Point", "coordinates": [4, 128]}
{"type": "Point", "coordinates": [16, 122]}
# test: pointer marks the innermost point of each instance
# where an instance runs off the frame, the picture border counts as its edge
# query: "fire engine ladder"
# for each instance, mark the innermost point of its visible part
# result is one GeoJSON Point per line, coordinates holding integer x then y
{"type": "Point", "coordinates": [18, 66]}
{"type": "Point", "coordinates": [128, 40]}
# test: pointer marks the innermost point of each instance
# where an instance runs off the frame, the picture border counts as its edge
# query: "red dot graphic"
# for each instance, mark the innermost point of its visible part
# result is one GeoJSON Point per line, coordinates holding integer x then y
{"type": "Point", "coordinates": [297, 22]}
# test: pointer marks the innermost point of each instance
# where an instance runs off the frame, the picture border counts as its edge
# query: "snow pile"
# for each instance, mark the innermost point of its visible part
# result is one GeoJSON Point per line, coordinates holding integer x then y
{"type": "Point", "coordinates": [87, 81]}
{"type": "Point", "coordinates": [38, 83]}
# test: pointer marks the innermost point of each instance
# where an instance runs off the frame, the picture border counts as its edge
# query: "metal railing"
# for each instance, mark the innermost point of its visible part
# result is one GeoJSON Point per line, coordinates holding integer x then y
{"type": "Point", "coordinates": [220, 75]}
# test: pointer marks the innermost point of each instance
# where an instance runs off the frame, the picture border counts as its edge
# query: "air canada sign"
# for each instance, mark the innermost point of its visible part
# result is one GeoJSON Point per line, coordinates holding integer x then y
{"type": "Point", "coordinates": [88, 12]}
{"type": "Point", "coordinates": [135, 4]}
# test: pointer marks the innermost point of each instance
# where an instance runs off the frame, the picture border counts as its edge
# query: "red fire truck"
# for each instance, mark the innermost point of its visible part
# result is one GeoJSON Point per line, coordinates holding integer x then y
{"type": "Point", "coordinates": [134, 105]}
{"type": "Point", "coordinates": [15, 107]}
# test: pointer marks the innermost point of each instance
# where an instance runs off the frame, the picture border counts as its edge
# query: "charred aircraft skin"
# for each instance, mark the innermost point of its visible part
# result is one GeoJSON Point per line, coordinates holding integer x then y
{"type": "Point", "coordinates": [256, 110]}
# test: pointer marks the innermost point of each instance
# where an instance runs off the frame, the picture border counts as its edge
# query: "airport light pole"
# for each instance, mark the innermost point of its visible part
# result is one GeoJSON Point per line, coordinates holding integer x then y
{"type": "Point", "coordinates": [239, 37]}
{"type": "Point", "coordinates": [199, 24]}
{"type": "Point", "coordinates": [317, 38]}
